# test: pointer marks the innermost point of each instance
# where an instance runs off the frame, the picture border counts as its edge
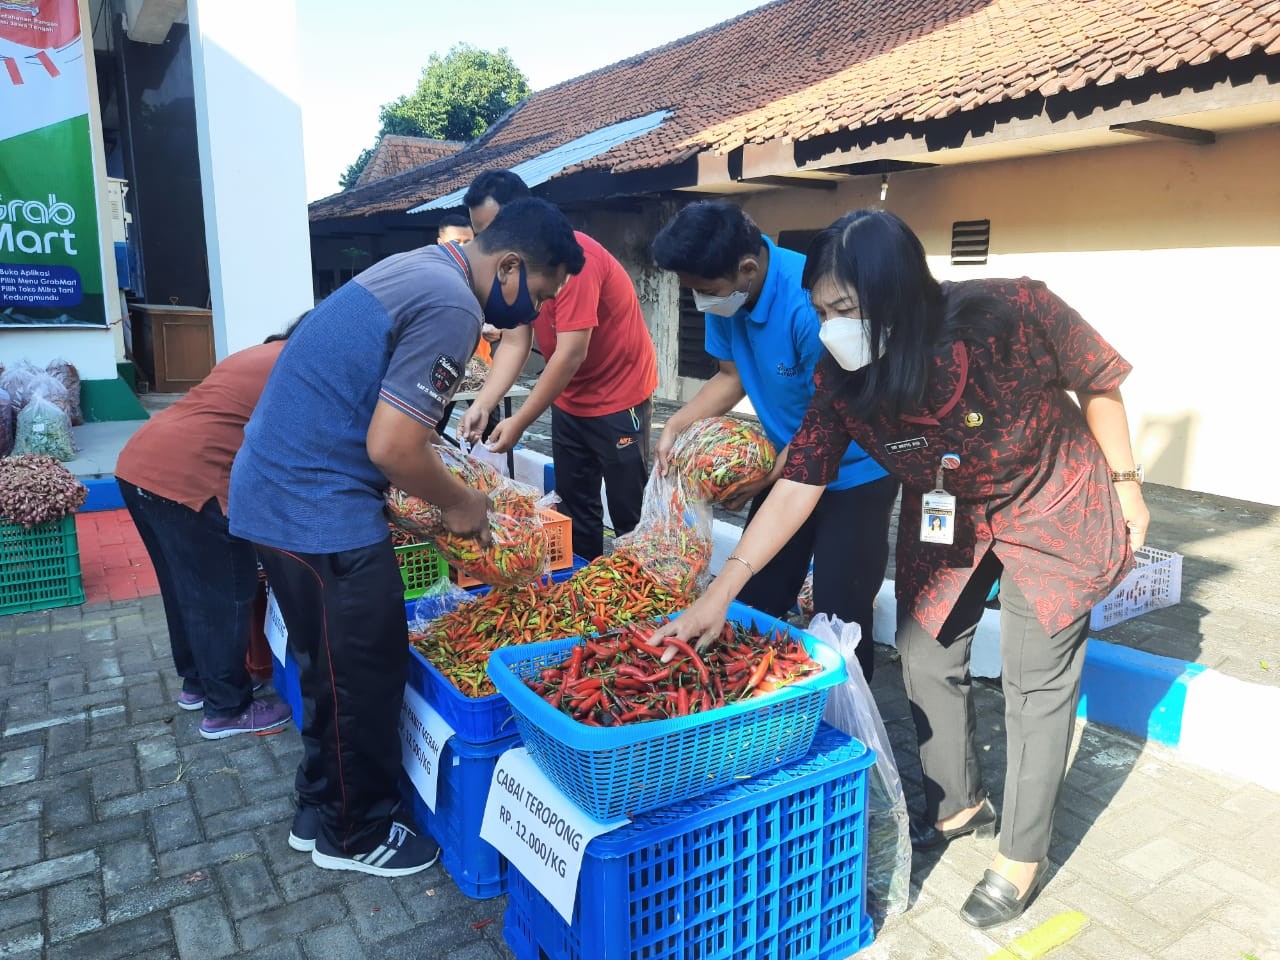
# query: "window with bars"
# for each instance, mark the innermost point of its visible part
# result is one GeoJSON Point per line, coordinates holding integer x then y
{"type": "Point", "coordinates": [970, 242]}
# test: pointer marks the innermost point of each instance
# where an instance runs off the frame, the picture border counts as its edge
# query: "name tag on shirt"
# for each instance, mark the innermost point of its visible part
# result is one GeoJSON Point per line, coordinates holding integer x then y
{"type": "Point", "coordinates": [938, 517]}
{"type": "Point", "coordinates": [906, 446]}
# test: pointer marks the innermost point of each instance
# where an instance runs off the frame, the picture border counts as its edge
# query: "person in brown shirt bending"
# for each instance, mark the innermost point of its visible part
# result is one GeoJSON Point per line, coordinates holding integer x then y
{"type": "Point", "coordinates": [174, 474]}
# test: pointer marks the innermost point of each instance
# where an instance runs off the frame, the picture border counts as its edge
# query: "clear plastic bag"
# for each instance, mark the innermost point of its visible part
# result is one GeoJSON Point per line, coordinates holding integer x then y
{"type": "Point", "coordinates": [45, 429]}
{"type": "Point", "coordinates": [17, 382]}
{"type": "Point", "coordinates": [717, 456]}
{"type": "Point", "coordinates": [7, 424]}
{"type": "Point", "coordinates": [443, 596]}
{"type": "Point", "coordinates": [672, 541]}
{"type": "Point", "coordinates": [519, 549]}
{"type": "Point", "coordinates": [804, 601]}
{"type": "Point", "coordinates": [65, 372]}
{"type": "Point", "coordinates": [497, 461]}
{"type": "Point", "coordinates": [851, 708]}
{"type": "Point", "coordinates": [49, 388]}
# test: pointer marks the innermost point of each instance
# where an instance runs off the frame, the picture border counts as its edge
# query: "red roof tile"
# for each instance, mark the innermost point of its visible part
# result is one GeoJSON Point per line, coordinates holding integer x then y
{"type": "Point", "coordinates": [795, 69]}
{"type": "Point", "coordinates": [396, 153]}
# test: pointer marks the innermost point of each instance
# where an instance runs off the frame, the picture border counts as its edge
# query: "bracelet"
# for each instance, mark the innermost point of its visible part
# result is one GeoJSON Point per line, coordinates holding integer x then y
{"type": "Point", "coordinates": [734, 556]}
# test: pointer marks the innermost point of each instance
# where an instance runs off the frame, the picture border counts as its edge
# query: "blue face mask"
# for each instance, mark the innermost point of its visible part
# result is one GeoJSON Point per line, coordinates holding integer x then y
{"type": "Point", "coordinates": [505, 315]}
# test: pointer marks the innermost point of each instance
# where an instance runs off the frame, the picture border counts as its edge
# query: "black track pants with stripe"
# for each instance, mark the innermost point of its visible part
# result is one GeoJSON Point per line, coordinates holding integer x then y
{"type": "Point", "coordinates": [346, 621]}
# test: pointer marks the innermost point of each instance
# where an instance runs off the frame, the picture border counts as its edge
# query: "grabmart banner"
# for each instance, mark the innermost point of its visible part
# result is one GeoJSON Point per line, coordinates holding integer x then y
{"type": "Point", "coordinates": [50, 262]}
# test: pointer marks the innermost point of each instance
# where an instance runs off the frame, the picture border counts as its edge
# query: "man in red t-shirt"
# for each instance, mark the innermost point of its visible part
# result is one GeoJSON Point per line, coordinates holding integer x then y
{"type": "Point", "coordinates": [599, 380]}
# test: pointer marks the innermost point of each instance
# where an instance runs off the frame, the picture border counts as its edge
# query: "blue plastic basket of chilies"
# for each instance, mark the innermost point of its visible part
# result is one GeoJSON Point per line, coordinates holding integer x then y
{"type": "Point", "coordinates": [621, 771]}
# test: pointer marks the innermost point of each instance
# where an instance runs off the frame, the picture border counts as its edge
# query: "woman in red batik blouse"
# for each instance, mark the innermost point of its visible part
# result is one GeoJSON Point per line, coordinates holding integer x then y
{"type": "Point", "coordinates": [967, 402]}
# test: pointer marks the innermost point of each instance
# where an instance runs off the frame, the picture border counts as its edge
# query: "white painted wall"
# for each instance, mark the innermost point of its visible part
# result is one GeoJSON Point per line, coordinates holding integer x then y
{"type": "Point", "coordinates": [249, 127]}
{"type": "Point", "coordinates": [1171, 251]}
{"type": "Point", "coordinates": [92, 350]}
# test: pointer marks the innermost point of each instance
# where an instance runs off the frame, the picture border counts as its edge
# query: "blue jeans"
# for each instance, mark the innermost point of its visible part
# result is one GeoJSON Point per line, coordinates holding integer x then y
{"type": "Point", "coordinates": [208, 579]}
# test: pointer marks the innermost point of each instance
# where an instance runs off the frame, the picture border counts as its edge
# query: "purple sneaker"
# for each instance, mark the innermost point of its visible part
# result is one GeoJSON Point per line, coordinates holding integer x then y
{"type": "Point", "coordinates": [261, 715]}
{"type": "Point", "coordinates": [190, 701]}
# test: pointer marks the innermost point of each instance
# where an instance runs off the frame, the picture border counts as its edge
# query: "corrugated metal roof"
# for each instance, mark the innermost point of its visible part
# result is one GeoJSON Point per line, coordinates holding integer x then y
{"type": "Point", "coordinates": [543, 167]}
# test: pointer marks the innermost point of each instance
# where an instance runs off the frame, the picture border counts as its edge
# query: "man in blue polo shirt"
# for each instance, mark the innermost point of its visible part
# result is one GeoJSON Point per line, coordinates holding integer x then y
{"type": "Point", "coordinates": [352, 403]}
{"type": "Point", "coordinates": [763, 330]}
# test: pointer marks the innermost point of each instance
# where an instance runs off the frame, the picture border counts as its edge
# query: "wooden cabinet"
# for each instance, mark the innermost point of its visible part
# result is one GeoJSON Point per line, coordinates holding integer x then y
{"type": "Point", "coordinates": [173, 345]}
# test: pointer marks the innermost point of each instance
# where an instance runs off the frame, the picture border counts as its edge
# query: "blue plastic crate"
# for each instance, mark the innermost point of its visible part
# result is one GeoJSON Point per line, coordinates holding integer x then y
{"type": "Point", "coordinates": [284, 677]}
{"type": "Point", "coordinates": [619, 771]}
{"type": "Point", "coordinates": [476, 719]}
{"type": "Point", "coordinates": [466, 770]}
{"type": "Point", "coordinates": [770, 868]}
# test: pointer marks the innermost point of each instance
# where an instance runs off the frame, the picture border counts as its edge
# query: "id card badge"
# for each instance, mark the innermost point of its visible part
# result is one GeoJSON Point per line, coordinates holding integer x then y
{"type": "Point", "coordinates": [938, 517]}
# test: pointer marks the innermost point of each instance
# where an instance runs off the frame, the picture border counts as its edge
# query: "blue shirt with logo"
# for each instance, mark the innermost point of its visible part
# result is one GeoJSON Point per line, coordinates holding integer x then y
{"type": "Point", "coordinates": [775, 346]}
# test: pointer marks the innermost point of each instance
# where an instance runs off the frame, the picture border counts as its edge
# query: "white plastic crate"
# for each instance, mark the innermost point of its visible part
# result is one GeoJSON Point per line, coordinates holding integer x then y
{"type": "Point", "coordinates": [1155, 583]}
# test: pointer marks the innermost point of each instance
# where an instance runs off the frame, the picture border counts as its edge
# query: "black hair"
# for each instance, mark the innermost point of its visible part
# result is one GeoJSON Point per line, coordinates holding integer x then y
{"type": "Point", "coordinates": [502, 186]}
{"type": "Point", "coordinates": [877, 255]}
{"type": "Point", "coordinates": [288, 331]}
{"type": "Point", "coordinates": [536, 230]}
{"type": "Point", "coordinates": [707, 239]}
{"type": "Point", "coordinates": [453, 220]}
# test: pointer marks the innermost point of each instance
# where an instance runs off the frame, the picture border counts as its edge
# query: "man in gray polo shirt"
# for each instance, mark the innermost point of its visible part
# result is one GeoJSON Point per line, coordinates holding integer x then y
{"type": "Point", "coordinates": [352, 403]}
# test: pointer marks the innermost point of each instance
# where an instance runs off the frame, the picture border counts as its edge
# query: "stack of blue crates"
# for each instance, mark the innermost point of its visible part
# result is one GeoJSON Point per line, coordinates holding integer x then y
{"type": "Point", "coordinates": [483, 731]}
{"type": "Point", "coordinates": [772, 867]}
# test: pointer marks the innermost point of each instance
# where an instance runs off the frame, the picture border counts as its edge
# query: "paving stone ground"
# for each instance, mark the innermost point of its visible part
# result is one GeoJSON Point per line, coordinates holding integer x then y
{"type": "Point", "coordinates": [124, 834]}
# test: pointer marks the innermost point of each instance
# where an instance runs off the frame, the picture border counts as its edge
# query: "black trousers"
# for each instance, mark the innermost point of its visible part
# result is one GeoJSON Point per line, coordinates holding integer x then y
{"type": "Point", "coordinates": [1040, 673]}
{"type": "Point", "coordinates": [613, 448]}
{"type": "Point", "coordinates": [847, 538]}
{"type": "Point", "coordinates": [208, 579]}
{"type": "Point", "coordinates": [345, 614]}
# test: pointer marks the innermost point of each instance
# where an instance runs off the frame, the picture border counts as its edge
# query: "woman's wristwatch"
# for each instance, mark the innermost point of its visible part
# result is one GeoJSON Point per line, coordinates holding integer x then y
{"type": "Point", "coordinates": [1136, 475]}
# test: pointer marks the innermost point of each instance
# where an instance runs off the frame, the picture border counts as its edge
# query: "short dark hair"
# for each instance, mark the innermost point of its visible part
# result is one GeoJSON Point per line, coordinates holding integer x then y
{"type": "Point", "coordinates": [536, 230]}
{"type": "Point", "coordinates": [502, 186]}
{"type": "Point", "coordinates": [453, 220]}
{"type": "Point", "coordinates": [707, 239]}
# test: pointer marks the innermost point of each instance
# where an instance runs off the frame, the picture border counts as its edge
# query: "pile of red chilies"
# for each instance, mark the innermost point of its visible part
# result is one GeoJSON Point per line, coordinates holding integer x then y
{"type": "Point", "coordinates": [618, 678]}
{"type": "Point", "coordinates": [607, 592]}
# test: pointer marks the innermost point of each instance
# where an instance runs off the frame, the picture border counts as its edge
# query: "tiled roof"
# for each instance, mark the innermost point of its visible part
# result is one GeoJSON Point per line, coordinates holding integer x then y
{"type": "Point", "coordinates": [396, 153]}
{"type": "Point", "coordinates": [795, 69]}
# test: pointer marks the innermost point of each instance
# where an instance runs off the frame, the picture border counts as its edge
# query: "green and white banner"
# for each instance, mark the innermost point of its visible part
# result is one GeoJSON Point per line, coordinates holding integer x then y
{"type": "Point", "coordinates": [50, 259]}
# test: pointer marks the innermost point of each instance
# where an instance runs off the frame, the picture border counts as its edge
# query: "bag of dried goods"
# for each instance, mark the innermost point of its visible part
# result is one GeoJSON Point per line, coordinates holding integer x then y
{"type": "Point", "coordinates": [44, 429]}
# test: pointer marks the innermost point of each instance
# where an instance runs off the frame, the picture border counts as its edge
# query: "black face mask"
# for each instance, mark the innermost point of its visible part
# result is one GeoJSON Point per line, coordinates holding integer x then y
{"type": "Point", "coordinates": [505, 315]}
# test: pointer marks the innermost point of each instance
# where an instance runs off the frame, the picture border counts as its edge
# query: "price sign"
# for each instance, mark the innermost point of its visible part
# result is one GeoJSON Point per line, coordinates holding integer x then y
{"type": "Point", "coordinates": [277, 633]}
{"type": "Point", "coordinates": [423, 734]}
{"type": "Point", "coordinates": [541, 831]}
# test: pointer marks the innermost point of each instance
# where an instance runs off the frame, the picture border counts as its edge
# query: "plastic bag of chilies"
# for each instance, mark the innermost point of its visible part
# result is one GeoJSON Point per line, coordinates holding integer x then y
{"type": "Point", "coordinates": [672, 541]}
{"type": "Point", "coordinates": [519, 548]}
{"type": "Point", "coordinates": [43, 428]}
{"type": "Point", "coordinates": [717, 456]}
{"type": "Point", "coordinates": [851, 708]}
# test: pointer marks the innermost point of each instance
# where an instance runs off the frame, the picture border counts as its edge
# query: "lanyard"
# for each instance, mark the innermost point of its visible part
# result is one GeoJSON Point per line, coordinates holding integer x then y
{"type": "Point", "coordinates": [458, 258]}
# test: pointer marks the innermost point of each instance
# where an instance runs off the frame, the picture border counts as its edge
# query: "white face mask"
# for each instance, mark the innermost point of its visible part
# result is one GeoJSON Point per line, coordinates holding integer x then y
{"type": "Point", "coordinates": [720, 306]}
{"type": "Point", "coordinates": [849, 341]}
